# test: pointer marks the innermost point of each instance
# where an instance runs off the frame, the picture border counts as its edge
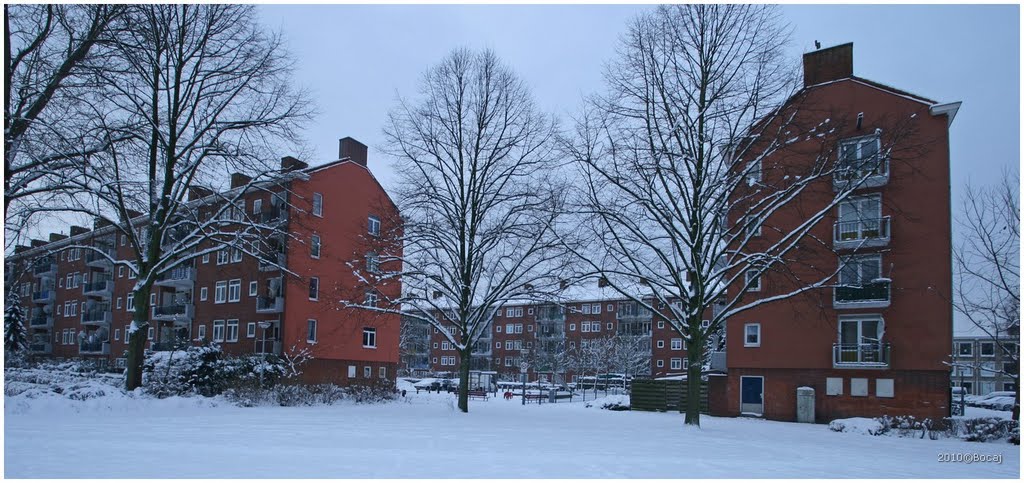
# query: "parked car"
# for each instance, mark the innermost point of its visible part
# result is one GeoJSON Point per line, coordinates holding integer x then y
{"type": "Point", "coordinates": [998, 400]}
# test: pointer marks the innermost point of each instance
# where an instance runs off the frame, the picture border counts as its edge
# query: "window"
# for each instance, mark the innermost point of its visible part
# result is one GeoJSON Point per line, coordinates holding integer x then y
{"type": "Point", "coordinates": [118, 306]}
{"type": "Point", "coordinates": [497, 328]}
{"type": "Point", "coordinates": [586, 309]}
{"type": "Point", "coordinates": [609, 326]}
{"type": "Point", "coordinates": [372, 263]}
{"type": "Point", "coordinates": [861, 218]}
{"type": "Point", "coordinates": [117, 334]}
{"type": "Point", "coordinates": [661, 344]}
{"type": "Point", "coordinates": [152, 299]}
{"type": "Point", "coordinates": [202, 332]}
{"type": "Point", "coordinates": [124, 240]}
{"type": "Point", "coordinates": [965, 349]}
{"type": "Point", "coordinates": [233, 330]}
{"type": "Point", "coordinates": [150, 333]}
{"type": "Point", "coordinates": [367, 372]}
{"type": "Point", "coordinates": [352, 370]}
{"type": "Point", "coordinates": [508, 345]}
{"type": "Point", "coordinates": [257, 206]}
{"type": "Point", "coordinates": [369, 337]}
{"type": "Point", "coordinates": [704, 324]}
{"type": "Point", "coordinates": [753, 175]}
{"type": "Point", "coordinates": [753, 281]}
{"type": "Point", "coordinates": [1009, 368]}
{"type": "Point", "coordinates": [677, 344]}
{"type": "Point", "coordinates": [987, 349]}
{"type": "Point", "coordinates": [572, 327]}
{"type": "Point", "coordinates": [222, 256]}
{"type": "Point", "coordinates": [131, 302]}
{"type": "Point", "coordinates": [859, 157]}
{"type": "Point", "coordinates": [382, 372]}
{"type": "Point", "coordinates": [752, 226]}
{"type": "Point", "coordinates": [318, 204]}
{"type": "Point", "coordinates": [234, 290]}
{"type": "Point", "coordinates": [220, 292]}
{"type": "Point", "coordinates": [860, 279]}
{"type": "Point", "coordinates": [373, 225]}
{"type": "Point", "coordinates": [120, 271]}
{"type": "Point", "coordinates": [572, 344]}
{"type": "Point", "coordinates": [987, 369]}
{"type": "Point", "coordinates": [595, 309]}
{"type": "Point", "coordinates": [371, 298]}
{"type": "Point", "coordinates": [314, 288]}
{"type": "Point", "coordinates": [585, 327]}
{"type": "Point", "coordinates": [508, 362]}
{"type": "Point", "coordinates": [206, 258]}
{"type": "Point", "coordinates": [661, 324]}
{"type": "Point", "coordinates": [311, 330]}
{"type": "Point", "coordinates": [218, 331]}
{"type": "Point", "coordinates": [127, 333]}
{"type": "Point", "coordinates": [510, 328]}
{"type": "Point", "coordinates": [676, 363]}
{"type": "Point", "coordinates": [752, 335]}
{"type": "Point", "coordinates": [131, 274]}
{"type": "Point", "coordinates": [236, 255]}
{"type": "Point", "coordinates": [595, 327]}
{"type": "Point", "coordinates": [1008, 386]}
{"type": "Point", "coordinates": [203, 294]}
{"type": "Point", "coordinates": [519, 328]}
{"type": "Point", "coordinates": [517, 345]}
{"type": "Point", "coordinates": [610, 307]}
{"type": "Point", "coordinates": [253, 287]}
{"type": "Point", "coordinates": [314, 246]}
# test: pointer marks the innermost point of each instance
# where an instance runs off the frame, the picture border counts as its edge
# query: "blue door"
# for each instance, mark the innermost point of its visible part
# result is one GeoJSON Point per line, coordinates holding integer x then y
{"type": "Point", "coordinates": [752, 395]}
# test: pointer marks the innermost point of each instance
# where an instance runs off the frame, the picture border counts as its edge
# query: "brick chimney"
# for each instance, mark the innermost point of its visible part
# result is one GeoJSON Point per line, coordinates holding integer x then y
{"type": "Point", "coordinates": [37, 243]}
{"type": "Point", "coordinates": [21, 248]}
{"type": "Point", "coordinates": [239, 179]}
{"type": "Point", "coordinates": [826, 65]}
{"type": "Point", "coordinates": [289, 163]}
{"type": "Point", "coordinates": [352, 149]}
{"type": "Point", "coordinates": [78, 230]}
{"type": "Point", "coordinates": [56, 237]}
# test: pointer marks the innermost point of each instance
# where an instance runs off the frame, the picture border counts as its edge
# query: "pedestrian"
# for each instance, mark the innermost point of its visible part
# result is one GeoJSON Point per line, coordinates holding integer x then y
{"type": "Point", "coordinates": [403, 392]}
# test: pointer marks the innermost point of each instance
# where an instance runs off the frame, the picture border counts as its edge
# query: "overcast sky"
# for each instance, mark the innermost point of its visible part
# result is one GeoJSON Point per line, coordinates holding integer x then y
{"type": "Point", "coordinates": [356, 59]}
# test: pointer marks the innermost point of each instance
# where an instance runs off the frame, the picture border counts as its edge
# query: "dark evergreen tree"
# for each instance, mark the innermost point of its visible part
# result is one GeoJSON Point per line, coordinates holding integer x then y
{"type": "Point", "coordinates": [14, 326]}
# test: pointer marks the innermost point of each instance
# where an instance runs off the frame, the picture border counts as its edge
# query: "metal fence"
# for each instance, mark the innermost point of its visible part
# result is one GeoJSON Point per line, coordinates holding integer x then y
{"type": "Point", "coordinates": [663, 395]}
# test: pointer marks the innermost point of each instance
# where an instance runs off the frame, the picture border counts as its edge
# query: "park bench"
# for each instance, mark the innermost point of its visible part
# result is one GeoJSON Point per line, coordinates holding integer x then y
{"type": "Point", "coordinates": [478, 395]}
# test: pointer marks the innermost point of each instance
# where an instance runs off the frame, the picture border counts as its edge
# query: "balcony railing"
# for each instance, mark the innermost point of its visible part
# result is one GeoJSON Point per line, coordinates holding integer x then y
{"type": "Point", "coordinates": [871, 232]}
{"type": "Point", "coordinates": [102, 288]}
{"type": "Point", "coordinates": [272, 216]}
{"type": "Point", "coordinates": [44, 267]}
{"type": "Point", "coordinates": [868, 173]}
{"type": "Point", "coordinates": [272, 262]}
{"type": "Point", "coordinates": [633, 314]}
{"type": "Point", "coordinates": [100, 315]}
{"type": "Point", "coordinates": [869, 295]}
{"type": "Point", "coordinates": [266, 305]}
{"type": "Point", "coordinates": [177, 276]}
{"type": "Point", "coordinates": [41, 320]}
{"type": "Point", "coordinates": [40, 348]}
{"type": "Point", "coordinates": [861, 355]}
{"type": "Point", "coordinates": [550, 329]}
{"type": "Point", "coordinates": [43, 296]}
{"type": "Point", "coordinates": [173, 312]}
{"type": "Point", "coordinates": [550, 314]}
{"type": "Point", "coordinates": [97, 259]}
{"type": "Point", "coordinates": [95, 348]}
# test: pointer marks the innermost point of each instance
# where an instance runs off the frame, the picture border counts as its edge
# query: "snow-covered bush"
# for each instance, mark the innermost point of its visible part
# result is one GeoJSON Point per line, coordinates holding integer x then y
{"type": "Point", "coordinates": [370, 393]}
{"type": "Point", "coordinates": [975, 429]}
{"type": "Point", "coordinates": [618, 402]}
{"type": "Point", "coordinates": [207, 371]}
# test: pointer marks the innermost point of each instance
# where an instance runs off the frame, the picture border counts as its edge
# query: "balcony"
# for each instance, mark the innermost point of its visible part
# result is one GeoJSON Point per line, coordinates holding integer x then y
{"type": "Point", "coordinates": [43, 297]}
{"type": "Point", "coordinates": [100, 288]}
{"type": "Point", "coordinates": [550, 314]}
{"type": "Point", "coordinates": [177, 277]}
{"type": "Point", "coordinates": [273, 262]}
{"type": "Point", "coordinates": [273, 216]}
{"type": "Point", "coordinates": [97, 316]}
{"type": "Point", "coordinates": [96, 348]}
{"type": "Point", "coordinates": [174, 312]}
{"type": "Point", "coordinates": [99, 259]}
{"type": "Point", "coordinates": [269, 305]}
{"type": "Point", "coordinates": [865, 233]}
{"type": "Point", "coordinates": [40, 348]}
{"type": "Point", "coordinates": [550, 329]}
{"type": "Point", "coordinates": [44, 268]}
{"type": "Point", "coordinates": [267, 347]}
{"type": "Point", "coordinates": [860, 356]}
{"type": "Point", "coordinates": [40, 321]}
{"type": "Point", "coordinates": [633, 313]}
{"type": "Point", "coordinates": [867, 173]}
{"type": "Point", "coordinates": [875, 294]}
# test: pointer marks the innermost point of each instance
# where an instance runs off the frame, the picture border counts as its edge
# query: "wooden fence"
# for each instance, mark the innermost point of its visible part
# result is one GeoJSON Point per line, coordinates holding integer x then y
{"type": "Point", "coordinates": [654, 395]}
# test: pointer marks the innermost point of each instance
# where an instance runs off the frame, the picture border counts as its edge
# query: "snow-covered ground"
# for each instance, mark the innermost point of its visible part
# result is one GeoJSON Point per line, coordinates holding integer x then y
{"type": "Point", "coordinates": [424, 436]}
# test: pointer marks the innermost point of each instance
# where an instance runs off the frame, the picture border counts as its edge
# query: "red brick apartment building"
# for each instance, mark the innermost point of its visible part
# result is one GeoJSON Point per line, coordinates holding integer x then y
{"type": "Point", "coordinates": [79, 305]}
{"type": "Point", "coordinates": [879, 342]}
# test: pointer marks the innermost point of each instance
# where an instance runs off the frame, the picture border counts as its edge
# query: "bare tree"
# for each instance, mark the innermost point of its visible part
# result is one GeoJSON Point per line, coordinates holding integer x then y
{"type": "Point", "coordinates": [197, 93]}
{"type": "Point", "coordinates": [477, 206]}
{"type": "Point", "coordinates": [686, 160]}
{"type": "Point", "coordinates": [48, 51]}
{"type": "Point", "coordinates": [987, 262]}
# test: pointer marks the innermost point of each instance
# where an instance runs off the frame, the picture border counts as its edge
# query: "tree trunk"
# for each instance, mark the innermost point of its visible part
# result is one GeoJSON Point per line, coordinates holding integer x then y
{"type": "Point", "coordinates": [694, 369]}
{"type": "Point", "coordinates": [1016, 398]}
{"type": "Point", "coordinates": [464, 379]}
{"type": "Point", "coordinates": [137, 341]}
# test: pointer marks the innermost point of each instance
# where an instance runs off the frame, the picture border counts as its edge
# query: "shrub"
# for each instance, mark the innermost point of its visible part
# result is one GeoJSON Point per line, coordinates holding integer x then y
{"type": "Point", "coordinates": [206, 371]}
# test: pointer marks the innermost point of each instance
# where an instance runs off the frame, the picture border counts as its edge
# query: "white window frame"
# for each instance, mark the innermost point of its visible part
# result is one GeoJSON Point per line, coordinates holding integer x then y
{"type": "Point", "coordinates": [373, 225]}
{"type": "Point", "coordinates": [311, 328]}
{"type": "Point", "coordinates": [318, 205]}
{"type": "Point", "coordinates": [220, 292]}
{"type": "Point", "coordinates": [661, 344]}
{"type": "Point", "coordinates": [676, 363]}
{"type": "Point", "coordinates": [960, 345]}
{"type": "Point", "coordinates": [203, 294]}
{"type": "Point", "coordinates": [677, 344]}
{"type": "Point", "coordinates": [369, 333]}
{"type": "Point", "coordinates": [749, 283]}
{"type": "Point", "coordinates": [254, 287]}
{"type": "Point", "coordinates": [232, 330]}
{"type": "Point", "coordinates": [235, 290]}
{"type": "Point", "coordinates": [219, 330]}
{"type": "Point", "coordinates": [314, 246]}
{"type": "Point", "coordinates": [746, 327]}
{"type": "Point", "coordinates": [250, 330]}
{"type": "Point", "coordinates": [314, 288]}
{"type": "Point", "coordinates": [201, 332]}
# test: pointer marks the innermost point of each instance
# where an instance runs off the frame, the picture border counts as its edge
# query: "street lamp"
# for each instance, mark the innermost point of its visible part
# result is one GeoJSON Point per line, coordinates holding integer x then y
{"type": "Point", "coordinates": [263, 366]}
{"type": "Point", "coordinates": [523, 366]}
